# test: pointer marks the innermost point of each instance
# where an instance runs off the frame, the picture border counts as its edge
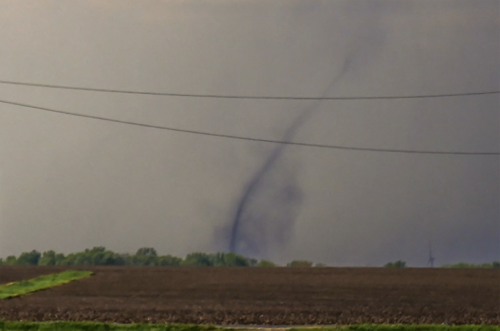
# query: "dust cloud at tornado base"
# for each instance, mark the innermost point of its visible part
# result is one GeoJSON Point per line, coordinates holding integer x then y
{"type": "Point", "coordinates": [69, 183]}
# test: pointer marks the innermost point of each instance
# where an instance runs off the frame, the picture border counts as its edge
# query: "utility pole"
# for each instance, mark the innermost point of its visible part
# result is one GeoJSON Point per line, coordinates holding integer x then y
{"type": "Point", "coordinates": [430, 262]}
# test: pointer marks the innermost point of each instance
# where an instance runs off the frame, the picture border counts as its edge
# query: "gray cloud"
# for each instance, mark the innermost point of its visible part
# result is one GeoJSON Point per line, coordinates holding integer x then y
{"type": "Point", "coordinates": [70, 183]}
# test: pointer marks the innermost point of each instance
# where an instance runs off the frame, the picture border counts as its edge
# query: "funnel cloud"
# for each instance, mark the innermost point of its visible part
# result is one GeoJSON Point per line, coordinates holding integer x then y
{"type": "Point", "coordinates": [270, 202]}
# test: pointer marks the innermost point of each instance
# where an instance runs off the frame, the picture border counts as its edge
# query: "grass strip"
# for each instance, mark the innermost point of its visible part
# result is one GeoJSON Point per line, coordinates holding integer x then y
{"type": "Point", "coordinates": [16, 289]}
{"type": "Point", "coordinates": [404, 327]}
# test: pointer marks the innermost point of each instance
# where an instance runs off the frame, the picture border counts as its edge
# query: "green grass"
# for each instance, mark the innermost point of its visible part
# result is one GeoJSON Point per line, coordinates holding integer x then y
{"type": "Point", "coordinates": [91, 326]}
{"type": "Point", "coordinates": [12, 290]}
{"type": "Point", "coordinates": [401, 327]}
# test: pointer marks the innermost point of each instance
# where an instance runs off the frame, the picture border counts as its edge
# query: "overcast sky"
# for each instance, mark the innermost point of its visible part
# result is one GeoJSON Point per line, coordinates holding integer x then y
{"type": "Point", "coordinates": [69, 183]}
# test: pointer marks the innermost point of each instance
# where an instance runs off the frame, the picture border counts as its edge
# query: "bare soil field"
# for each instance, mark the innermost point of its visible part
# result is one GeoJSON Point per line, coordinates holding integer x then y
{"type": "Point", "coordinates": [263, 296]}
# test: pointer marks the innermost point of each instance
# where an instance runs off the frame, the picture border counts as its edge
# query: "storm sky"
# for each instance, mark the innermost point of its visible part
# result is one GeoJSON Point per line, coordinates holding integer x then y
{"type": "Point", "coordinates": [69, 183]}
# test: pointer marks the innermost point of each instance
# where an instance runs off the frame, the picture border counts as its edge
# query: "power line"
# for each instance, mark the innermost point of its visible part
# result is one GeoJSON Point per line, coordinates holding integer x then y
{"type": "Point", "coordinates": [384, 150]}
{"type": "Point", "coordinates": [220, 96]}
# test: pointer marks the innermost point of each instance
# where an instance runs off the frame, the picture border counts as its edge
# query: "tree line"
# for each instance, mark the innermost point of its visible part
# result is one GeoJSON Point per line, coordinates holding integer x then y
{"type": "Point", "coordinates": [492, 265]}
{"type": "Point", "coordinates": [146, 256]}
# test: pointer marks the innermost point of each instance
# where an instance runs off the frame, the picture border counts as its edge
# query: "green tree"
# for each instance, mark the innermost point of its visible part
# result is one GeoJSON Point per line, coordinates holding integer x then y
{"type": "Point", "coordinates": [10, 260]}
{"type": "Point", "coordinates": [97, 256]}
{"type": "Point", "coordinates": [59, 258]}
{"type": "Point", "coordinates": [68, 260]}
{"type": "Point", "coordinates": [217, 259]}
{"type": "Point", "coordinates": [146, 251]}
{"type": "Point", "coordinates": [48, 258]}
{"type": "Point", "coordinates": [145, 256]}
{"type": "Point", "coordinates": [266, 264]}
{"type": "Point", "coordinates": [127, 259]}
{"type": "Point", "coordinates": [169, 261]}
{"type": "Point", "coordinates": [397, 264]}
{"type": "Point", "coordinates": [252, 262]}
{"type": "Point", "coordinates": [83, 259]}
{"type": "Point", "coordinates": [198, 259]}
{"type": "Point", "coordinates": [494, 264]}
{"type": "Point", "coordinates": [300, 264]}
{"type": "Point", "coordinates": [320, 265]}
{"type": "Point", "coordinates": [228, 260]}
{"type": "Point", "coordinates": [101, 257]}
{"type": "Point", "coordinates": [235, 260]}
{"type": "Point", "coordinates": [29, 258]}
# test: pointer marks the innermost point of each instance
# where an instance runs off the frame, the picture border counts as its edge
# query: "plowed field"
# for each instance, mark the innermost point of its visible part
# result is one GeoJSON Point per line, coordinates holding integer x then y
{"type": "Point", "coordinates": [276, 296]}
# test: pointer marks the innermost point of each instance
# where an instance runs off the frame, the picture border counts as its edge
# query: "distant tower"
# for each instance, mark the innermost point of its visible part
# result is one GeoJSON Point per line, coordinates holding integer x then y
{"type": "Point", "coordinates": [430, 262]}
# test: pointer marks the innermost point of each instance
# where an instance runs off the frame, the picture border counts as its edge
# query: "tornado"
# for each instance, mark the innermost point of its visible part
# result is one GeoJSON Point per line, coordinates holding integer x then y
{"type": "Point", "coordinates": [269, 204]}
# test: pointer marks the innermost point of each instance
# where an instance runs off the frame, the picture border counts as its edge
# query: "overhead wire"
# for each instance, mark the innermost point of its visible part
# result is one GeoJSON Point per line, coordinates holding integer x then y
{"type": "Point", "coordinates": [203, 133]}
{"type": "Point", "coordinates": [221, 96]}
